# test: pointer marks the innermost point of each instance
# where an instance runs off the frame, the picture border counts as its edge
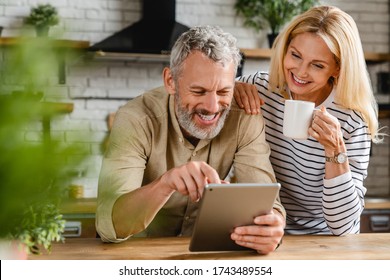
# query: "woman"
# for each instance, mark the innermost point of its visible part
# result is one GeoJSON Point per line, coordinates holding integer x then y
{"type": "Point", "coordinates": [318, 57]}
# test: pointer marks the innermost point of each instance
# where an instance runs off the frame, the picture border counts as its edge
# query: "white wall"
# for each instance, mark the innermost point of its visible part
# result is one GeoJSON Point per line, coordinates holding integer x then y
{"type": "Point", "coordinates": [110, 83]}
{"type": "Point", "coordinates": [93, 20]}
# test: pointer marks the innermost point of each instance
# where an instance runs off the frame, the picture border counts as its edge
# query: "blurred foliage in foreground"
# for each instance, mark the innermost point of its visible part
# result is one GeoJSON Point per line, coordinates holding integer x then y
{"type": "Point", "coordinates": [33, 174]}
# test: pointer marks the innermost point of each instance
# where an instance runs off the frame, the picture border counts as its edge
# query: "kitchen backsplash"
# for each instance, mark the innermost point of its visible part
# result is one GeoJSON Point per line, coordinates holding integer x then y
{"type": "Point", "coordinates": [98, 87]}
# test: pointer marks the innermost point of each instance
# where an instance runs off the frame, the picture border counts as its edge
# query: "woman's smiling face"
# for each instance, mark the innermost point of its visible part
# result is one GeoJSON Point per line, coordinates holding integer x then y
{"type": "Point", "coordinates": [308, 66]}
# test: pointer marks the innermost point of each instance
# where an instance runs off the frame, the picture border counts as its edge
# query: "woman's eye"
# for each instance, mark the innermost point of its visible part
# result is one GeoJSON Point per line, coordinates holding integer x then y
{"type": "Point", "coordinates": [319, 66]}
{"type": "Point", "coordinates": [295, 55]}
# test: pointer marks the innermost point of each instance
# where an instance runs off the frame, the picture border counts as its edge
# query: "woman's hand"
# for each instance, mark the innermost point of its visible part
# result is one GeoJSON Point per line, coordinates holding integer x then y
{"type": "Point", "coordinates": [247, 97]}
{"type": "Point", "coordinates": [326, 129]}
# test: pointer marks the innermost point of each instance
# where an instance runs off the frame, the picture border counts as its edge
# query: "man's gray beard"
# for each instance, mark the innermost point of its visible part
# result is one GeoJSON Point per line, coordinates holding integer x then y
{"type": "Point", "coordinates": [185, 121]}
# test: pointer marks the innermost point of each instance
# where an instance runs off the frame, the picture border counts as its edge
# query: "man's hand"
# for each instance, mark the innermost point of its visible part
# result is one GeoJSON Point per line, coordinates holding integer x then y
{"type": "Point", "coordinates": [190, 178]}
{"type": "Point", "coordinates": [264, 236]}
{"type": "Point", "coordinates": [248, 98]}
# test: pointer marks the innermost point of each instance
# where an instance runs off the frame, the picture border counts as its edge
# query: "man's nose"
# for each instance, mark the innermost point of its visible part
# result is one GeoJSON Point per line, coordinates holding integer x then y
{"type": "Point", "coordinates": [211, 102]}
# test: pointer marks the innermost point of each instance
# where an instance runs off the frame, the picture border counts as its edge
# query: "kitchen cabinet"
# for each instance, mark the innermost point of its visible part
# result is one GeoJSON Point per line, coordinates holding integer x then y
{"type": "Point", "coordinates": [376, 215]}
{"type": "Point", "coordinates": [79, 215]}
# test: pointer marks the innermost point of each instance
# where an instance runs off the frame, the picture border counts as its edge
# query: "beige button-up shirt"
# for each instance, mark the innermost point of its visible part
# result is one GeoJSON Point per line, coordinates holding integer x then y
{"type": "Point", "coordinates": [146, 141]}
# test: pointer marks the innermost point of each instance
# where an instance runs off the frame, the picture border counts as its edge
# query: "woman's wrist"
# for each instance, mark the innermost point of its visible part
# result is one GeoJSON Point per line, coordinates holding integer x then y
{"type": "Point", "coordinates": [336, 149]}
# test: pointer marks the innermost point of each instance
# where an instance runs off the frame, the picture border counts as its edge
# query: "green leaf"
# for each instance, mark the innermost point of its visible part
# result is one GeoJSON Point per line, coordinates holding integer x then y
{"type": "Point", "coordinates": [272, 14]}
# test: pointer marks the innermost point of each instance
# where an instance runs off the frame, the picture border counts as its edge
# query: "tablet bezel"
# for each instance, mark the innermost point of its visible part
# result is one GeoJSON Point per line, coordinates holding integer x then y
{"type": "Point", "coordinates": [226, 206]}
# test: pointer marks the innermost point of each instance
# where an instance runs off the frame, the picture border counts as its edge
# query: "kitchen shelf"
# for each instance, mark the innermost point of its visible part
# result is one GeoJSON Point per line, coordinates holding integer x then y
{"type": "Point", "coordinates": [377, 203]}
{"type": "Point", "coordinates": [78, 206]}
{"type": "Point", "coordinates": [50, 109]}
{"type": "Point", "coordinates": [371, 57]}
{"type": "Point", "coordinates": [58, 107]}
{"type": "Point", "coordinates": [130, 57]}
{"type": "Point", "coordinates": [60, 44]}
{"type": "Point", "coordinates": [257, 53]}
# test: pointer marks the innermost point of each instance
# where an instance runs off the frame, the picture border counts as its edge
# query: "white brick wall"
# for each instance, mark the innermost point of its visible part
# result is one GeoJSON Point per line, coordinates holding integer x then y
{"type": "Point", "coordinates": [94, 20]}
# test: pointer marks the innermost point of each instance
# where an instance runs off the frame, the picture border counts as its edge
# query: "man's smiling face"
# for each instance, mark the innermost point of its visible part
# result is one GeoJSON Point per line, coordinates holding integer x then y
{"type": "Point", "coordinates": [204, 92]}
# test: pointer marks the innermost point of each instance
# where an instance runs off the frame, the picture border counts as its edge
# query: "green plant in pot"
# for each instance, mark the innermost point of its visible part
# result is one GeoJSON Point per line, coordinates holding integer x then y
{"type": "Point", "coordinates": [271, 14]}
{"type": "Point", "coordinates": [34, 171]}
{"type": "Point", "coordinates": [43, 16]}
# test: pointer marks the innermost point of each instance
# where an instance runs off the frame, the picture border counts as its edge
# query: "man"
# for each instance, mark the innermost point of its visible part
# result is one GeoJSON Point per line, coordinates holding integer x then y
{"type": "Point", "coordinates": [164, 148]}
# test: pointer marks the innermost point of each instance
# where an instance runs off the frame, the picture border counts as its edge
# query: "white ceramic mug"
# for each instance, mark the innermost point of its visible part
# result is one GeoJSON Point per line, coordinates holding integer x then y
{"type": "Point", "coordinates": [297, 119]}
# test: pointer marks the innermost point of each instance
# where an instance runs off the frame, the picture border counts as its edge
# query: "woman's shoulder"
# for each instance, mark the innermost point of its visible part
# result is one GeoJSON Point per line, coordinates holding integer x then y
{"type": "Point", "coordinates": [255, 78]}
{"type": "Point", "coordinates": [351, 122]}
{"type": "Point", "coordinates": [346, 114]}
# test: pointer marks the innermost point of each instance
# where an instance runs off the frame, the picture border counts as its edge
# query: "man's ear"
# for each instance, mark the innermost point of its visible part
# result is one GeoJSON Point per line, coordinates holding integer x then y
{"type": "Point", "coordinates": [168, 81]}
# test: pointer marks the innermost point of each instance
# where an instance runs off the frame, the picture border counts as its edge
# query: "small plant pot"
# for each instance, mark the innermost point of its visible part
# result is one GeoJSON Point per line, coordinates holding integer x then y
{"type": "Point", "coordinates": [271, 38]}
{"type": "Point", "coordinates": [42, 31]}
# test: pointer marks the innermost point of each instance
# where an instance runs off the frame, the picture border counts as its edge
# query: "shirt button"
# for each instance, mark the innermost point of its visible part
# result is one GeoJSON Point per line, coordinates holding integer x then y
{"type": "Point", "coordinates": [194, 154]}
{"type": "Point", "coordinates": [187, 218]}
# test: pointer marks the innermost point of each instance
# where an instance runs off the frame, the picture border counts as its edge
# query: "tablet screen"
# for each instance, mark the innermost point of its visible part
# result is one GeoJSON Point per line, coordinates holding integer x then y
{"type": "Point", "coordinates": [226, 206]}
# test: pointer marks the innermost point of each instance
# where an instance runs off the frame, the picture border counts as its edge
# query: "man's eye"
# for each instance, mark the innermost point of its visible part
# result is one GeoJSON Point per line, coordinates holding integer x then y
{"type": "Point", "coordinates": [198, 92]}
{"type": "Point", "coordinates": [223, 93]}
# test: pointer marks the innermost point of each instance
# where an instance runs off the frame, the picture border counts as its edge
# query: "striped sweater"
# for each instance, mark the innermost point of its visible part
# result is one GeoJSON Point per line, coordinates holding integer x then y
{"type": "Point", "coordinates": [316, 205]}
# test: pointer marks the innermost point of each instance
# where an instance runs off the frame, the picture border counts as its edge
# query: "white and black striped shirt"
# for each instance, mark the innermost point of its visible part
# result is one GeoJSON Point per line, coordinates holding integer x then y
{"type": "Point", "coordinates": [315, 205]}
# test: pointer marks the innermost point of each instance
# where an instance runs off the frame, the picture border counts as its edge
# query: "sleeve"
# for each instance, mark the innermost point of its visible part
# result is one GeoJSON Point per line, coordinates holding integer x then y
{"type": "Point", "coordinates": [343, 196]}
{"type": "Point", "coordinates": [122, 169]}
{"type": "Point", "coordinates": [250, 168]}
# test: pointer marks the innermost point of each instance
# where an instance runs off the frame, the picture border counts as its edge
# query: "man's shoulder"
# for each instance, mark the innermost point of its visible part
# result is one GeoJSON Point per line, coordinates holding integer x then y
{"type": "Point", "coordinates": [234, 106]}
{"type": "Point", "coordinates": [238, 121]}
{"type": "Point", "coordinates": [237, 112]}
{"type": "Point", "coordinates": [154, 102]}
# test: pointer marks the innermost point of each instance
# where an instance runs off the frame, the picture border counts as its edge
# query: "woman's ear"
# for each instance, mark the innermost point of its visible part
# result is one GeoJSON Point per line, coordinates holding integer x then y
{"type": "Point", "coordinates": [168, 81]}
{"type": "Point", "coordinates": [336, 74]}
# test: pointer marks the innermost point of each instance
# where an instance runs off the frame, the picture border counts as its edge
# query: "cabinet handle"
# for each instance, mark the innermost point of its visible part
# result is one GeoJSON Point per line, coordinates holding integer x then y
{"type": "Point", "coordinates": [72, 229]}
{"type": "Point", "coordinates": [380, 223]}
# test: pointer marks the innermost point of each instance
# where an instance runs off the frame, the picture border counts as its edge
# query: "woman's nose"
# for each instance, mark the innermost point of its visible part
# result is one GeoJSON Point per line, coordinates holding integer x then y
{"type": "Point", "coordinates": [302, 71]}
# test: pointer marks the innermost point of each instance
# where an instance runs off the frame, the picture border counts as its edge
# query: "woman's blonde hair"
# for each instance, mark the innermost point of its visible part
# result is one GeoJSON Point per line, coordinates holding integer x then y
{"type": "Point", "coordinates": [341, 35]}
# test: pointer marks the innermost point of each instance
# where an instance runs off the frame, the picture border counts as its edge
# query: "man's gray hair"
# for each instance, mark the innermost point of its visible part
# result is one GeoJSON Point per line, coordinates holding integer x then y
{"type": "Point", "coordinates": [212, 41]}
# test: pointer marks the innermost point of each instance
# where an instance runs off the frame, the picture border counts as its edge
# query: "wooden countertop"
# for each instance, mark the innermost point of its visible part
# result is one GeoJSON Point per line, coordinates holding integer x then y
{"type": "Point", "coordinates": [298, 247]}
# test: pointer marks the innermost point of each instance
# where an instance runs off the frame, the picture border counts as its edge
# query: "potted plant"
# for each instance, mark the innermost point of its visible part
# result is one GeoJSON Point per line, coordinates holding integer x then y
{"type": "Point", "coordinates": [42, 17]}
{"type": "Point", "coordinates": [34, 172]}
{"type": "Point", "coordinates": [272, 14]}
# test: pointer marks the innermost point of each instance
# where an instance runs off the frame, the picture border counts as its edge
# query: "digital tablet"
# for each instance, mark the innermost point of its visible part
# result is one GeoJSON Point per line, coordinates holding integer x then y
{"type": "Point", "coordinates": [226, 206]}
